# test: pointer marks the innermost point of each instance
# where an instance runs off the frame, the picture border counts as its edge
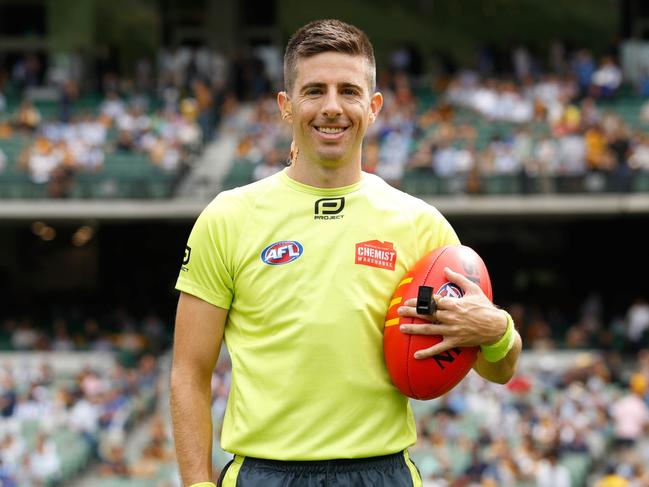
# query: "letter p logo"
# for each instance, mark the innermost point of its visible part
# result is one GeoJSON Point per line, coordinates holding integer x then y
{"type": "Point", "coordinates": [329, 206]}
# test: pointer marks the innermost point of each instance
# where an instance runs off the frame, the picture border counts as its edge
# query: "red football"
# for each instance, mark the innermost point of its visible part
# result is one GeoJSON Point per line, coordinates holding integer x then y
{"type": "Point", "coordinates": [431, 377]}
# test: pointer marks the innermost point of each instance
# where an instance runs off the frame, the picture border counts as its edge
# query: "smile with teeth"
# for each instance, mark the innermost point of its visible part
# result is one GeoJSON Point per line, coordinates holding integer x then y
{"type": "Point", "coordinates": [331, 130]}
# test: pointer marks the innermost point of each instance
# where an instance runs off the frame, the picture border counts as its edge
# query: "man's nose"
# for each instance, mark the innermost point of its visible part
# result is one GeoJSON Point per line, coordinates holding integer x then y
{"type": "Point", "coordinates": [331, 107]}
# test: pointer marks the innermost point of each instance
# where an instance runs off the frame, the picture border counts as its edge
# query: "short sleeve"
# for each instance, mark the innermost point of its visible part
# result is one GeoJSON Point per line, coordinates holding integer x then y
{"type": "Point", "coordinates": [206, 270]}
{"type": "Point", "coordinates": [434, 231]}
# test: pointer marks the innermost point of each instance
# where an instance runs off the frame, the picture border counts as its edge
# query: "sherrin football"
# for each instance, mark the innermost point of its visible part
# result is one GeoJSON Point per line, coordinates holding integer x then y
{"type": "Point", "coordinates": [430, 377]}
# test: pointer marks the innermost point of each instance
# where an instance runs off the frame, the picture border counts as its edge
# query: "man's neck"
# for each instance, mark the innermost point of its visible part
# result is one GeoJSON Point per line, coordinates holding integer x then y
{"type": "Point", "coordinates": [320, 176]}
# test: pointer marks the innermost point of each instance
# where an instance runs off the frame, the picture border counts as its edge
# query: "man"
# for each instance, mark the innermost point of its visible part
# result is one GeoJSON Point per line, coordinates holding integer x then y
{"type": "Point", "coordinates": [274, 266]}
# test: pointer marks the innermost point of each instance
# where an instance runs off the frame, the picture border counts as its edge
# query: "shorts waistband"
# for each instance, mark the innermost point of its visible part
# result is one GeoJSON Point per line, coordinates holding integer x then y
{"type": "Point", "coordinates": [338, 465]}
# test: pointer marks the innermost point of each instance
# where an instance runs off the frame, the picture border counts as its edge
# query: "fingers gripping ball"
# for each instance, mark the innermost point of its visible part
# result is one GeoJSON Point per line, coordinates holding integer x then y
{"type": "Point", "coordinates": [430, 377]}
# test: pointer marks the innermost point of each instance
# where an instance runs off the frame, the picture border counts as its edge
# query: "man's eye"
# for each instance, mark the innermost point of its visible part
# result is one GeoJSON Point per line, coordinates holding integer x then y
{"type": "Point", "coordinates": [313, 91]}
{"type": "Point", "coordinates": [350, 91]}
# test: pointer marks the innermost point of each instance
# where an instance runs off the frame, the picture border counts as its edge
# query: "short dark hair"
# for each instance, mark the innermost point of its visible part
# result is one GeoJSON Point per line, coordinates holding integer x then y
{"type": "Point", "coordinates": [327, 35]}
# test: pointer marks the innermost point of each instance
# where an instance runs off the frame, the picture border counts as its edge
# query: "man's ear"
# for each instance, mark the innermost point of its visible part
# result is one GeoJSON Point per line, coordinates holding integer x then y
{"type": "Point", "coordinates": [285, 106]}
{"type": "Point", "coordinates": [375, 106]}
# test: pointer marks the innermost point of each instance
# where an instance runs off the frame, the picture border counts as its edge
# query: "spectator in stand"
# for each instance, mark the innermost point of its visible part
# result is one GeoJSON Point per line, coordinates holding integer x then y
{"type": "Point", "coordinates": [570, 121]}
{"type": "Point", "coordinates": [572, 155]}
{"type": "Point", "coordinates": [523, 148]}
{"type": "Point", "coordinates": [271, 164]}
{"type": "Point", "coordinates": [28, 117]}
{"type": "Point", "coordinates": [606, 79]}
{"type": "Point", "coordinates": [45, 462]}
{"type": "Point", "coordinates": [639, 158]}
{"type": "Point", "coordinates": [637, 319]}
{"type": "Point", "coordinates": [69, 93]}
{"type": "Point", "coordinates": [158, 452]}
{"type": "Point", "coordinates": [8, 394]}
{"type": "Point", "coordinates": [597, 156]}
{"type": "Point", "coordinates": [550, 473]}
{"type": "Point", "coordinates": [619, 144]}
{"type": "Point", "coordinates": [62, 340]}
{"type": "Point", "coordinates": [590, 114]}
{"type": "Point", "coordinates": [114, 464]}
{"type": "Point", "coordinates": [204, 102]}
{"type": "Point", "coordinates": [41, 160]}
{"type": "Point", "coordinates": [371, 154]}
{"type": "Point", "coordinates": [112, 108]}
{"type": "Point", "coordinates": [445, 159]}
{"type": "Point", "coordinates": [583, 67]}
{"type": "Point", "coordinates": [631, 414]}
{"type": "Point", "coordinates": [394, 152]}
{"type": "Point", "coordinates": [12, 449]}
{"type": "Point", "coordinates": [24, 336]}
{"type": "Point", "coordinates": [545, 165]}
{"type": "Point", "coordinates": [6, 478]}
{"type": "Point", "coordinates": [557, 57]}
{"type": "Point", "coordinates": [500, 158]}
{"type": "Point", "coordinates": [612, 479]}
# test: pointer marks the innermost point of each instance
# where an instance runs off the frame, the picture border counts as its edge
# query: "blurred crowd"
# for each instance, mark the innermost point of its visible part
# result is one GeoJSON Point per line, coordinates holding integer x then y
{"type": "Point", "coordinates": [70, 413]}
{"type": "Point", "coordinates": [558, 126]}
{"type": "Point", "coordinates": [51, 422]}
{"type": "Point", "coordinates": [118, 331]}
{"type": "Point", "coordinates": [552, 426]}
{"type": "Point", "coordinates": [165, 114]}
{"type": "Point", "coordinates": [534, 126]}
{"type": "Point", "coordinates": [589, 328]}
{"type": "Point", "coordinates": [56, 149]}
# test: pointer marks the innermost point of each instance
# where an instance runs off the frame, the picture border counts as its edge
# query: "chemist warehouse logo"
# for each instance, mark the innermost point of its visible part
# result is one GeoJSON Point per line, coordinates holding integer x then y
{"type": "Point", "coordinates": [281, 252]}
{"type": "Point", "coordinates": [329, 209]}
{"type": "Point", "coordinates": [374, 253]}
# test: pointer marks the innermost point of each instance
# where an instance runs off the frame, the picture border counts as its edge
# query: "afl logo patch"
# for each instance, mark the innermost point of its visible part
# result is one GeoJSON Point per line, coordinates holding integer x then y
{"type": "Point", "coordinates": [449, 290]}
{"type": "Point", "coordinates": [281, 252]}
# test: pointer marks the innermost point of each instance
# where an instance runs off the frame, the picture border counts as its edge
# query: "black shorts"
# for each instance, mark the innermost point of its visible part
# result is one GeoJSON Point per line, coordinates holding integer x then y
{"type": "Point", "coordinates": [396, 470]}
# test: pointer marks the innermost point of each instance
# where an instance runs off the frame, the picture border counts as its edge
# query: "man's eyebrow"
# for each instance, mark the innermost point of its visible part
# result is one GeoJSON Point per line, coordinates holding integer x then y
{"type": "Point", "coordinates": [312, 85]}
{"type": "Point", "coordinates": [352, 85]}
{"type": "Point", "coordinates": [324, 85]}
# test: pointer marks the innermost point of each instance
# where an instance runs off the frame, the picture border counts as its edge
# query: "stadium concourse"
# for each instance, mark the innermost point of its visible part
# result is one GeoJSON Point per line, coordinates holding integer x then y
{"type": "Point", "coordinates": [83, 394]}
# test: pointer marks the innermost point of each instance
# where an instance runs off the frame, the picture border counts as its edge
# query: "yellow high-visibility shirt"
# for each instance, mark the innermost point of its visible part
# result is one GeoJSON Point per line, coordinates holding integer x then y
{"type": "Point", "coordinates": [307, 275]}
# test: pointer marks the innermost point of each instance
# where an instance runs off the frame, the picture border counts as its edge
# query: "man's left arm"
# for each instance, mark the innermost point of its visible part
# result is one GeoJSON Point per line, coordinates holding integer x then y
{"type": "Point", "coordinates": [504, 369]}
{"type": "Point", "coordinates": [472, 320]}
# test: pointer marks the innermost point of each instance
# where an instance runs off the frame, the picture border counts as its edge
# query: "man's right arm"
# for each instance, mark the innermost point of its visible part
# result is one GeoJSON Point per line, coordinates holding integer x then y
{"type": "Point", "coordinates": [197, 342]}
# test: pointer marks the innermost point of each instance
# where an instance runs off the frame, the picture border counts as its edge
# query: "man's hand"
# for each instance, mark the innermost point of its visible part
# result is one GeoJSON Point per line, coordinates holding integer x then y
{"type": "Point", "coordinates": [471, 320]}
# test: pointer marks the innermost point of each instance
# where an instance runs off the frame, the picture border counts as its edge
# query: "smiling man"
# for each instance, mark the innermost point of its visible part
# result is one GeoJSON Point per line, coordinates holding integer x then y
{"type": "Point", "coordinates": [295, 273]}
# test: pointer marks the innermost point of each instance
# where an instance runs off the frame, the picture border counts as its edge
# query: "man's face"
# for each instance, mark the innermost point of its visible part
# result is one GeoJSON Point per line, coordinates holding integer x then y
{"type": "Point", "coordinates": [330, 107]}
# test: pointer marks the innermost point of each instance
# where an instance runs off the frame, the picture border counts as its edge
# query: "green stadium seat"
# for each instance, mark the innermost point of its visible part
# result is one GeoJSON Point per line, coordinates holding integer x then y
{"type": "Point", "coordinates": [123, 482]}
{"type": "Point", "coordinates": [641, 182]}
{"type": "Point", "coordinates": [240, 174]}
{"type": "Point", "coordinates": [12, 184]}
{"type": "Point", "coordinates": [568, 184]}
{"type": "Point", "coordinates": [419, 182]}
{"type": "Point", "coordinates": [29, 430]}
{"type": "Point", "coordinates": [501, 184]}
{"type": "Point", "coordinates": [426, 462]}
{"type": "Point", "coordinates": [578, 464]}
{"type": "Point", "coordinates": [73, 452]}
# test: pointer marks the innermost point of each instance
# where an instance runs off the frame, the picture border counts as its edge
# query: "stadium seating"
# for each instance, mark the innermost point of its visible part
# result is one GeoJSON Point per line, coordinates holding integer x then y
{"type": "Point", "coordinates": [240, 173]}
{"type": "Point", "coordinates": [123, 175]}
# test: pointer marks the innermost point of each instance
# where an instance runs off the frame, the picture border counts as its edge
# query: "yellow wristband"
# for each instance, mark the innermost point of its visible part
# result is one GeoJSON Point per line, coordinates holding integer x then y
{"type": "Point", "coordinates": [204, 484]}
{"type": "Point", "coordinates": [497, 351]}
